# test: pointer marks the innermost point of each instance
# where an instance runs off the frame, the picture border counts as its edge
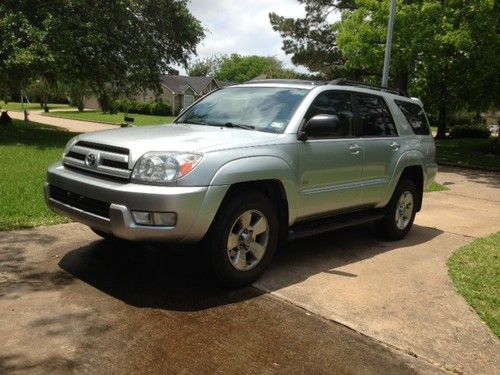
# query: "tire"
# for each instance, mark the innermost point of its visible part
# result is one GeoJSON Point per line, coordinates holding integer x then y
{"type": "Point", "coordinates": [242, 239]}
{"type": "Point", "coordinates": [400, 212]}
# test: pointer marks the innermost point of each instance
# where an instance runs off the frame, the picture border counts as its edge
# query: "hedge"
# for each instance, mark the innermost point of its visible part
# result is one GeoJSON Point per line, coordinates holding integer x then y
{"type": "Point", "coordinates": [158, 108]}
{"type": "Point", "coordinates": [469, 131]}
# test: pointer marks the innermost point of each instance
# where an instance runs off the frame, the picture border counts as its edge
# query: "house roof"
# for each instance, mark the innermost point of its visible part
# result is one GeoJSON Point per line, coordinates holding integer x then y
{"type": "Point", "coordinates": [179, 84]}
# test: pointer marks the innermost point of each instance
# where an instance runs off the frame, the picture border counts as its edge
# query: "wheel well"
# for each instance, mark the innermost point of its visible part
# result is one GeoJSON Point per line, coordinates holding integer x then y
{"type": "Point", "coordinates": [275, 191]}
{"type": "Point", "coordinates": [415, 174]}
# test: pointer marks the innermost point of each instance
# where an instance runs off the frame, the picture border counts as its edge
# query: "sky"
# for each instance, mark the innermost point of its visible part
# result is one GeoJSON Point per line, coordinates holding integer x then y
{"type": "Point", "coordinates": [242, 26]}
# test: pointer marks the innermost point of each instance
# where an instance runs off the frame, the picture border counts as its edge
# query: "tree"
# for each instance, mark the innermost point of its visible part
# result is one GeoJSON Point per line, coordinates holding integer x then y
{"type": "Point", "coordinates": [310, 40]}
{"type": "Point", "coordinates": [238, 68]}
{"type": "Point", "coordinates": [444, 52]}
{"type": "Point", "coordinates": [207, 67]}
{"type": "Point", "coordinates": [108, 46]}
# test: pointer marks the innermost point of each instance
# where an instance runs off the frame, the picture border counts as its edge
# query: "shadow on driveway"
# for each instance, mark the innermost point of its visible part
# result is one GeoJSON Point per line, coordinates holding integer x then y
{"type": "Point", "coordinates": [148, 276]}
{"type": "Point", "coordinates": [174, 279]}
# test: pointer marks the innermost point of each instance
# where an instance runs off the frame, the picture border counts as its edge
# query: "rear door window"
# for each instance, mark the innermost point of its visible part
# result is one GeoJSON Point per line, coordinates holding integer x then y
{"type": "Point", "coordinates": [415, 116]}
{"type": "Point", "coordinates": [374, 116]}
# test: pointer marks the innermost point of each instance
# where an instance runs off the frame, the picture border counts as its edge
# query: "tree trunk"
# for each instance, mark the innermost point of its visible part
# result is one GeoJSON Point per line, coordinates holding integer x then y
{"type": "Point", "coordinates": [80, 104]}
{"type": "Point", "coordinates": [443, 113]}
{"type": "Point", "coordinates": [403, 82]}
{"type": "Point", "coordinates": [478, 119]}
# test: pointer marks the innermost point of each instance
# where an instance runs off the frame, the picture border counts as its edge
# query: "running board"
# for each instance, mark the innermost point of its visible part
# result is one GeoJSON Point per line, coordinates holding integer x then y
{"type": "Point", "coordinates": [317, 226]}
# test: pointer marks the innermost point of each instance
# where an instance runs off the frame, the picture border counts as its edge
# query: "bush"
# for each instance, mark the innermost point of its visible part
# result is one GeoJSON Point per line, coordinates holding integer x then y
{"type": "Point", "coordinates": [493, 146]}
{"type": "Point", "coordinates": [470, 131]}
{"type": "Point", "coordinates": [158, 108]}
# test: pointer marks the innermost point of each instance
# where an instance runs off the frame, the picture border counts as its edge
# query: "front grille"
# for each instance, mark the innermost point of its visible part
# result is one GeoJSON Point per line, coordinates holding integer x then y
{"type": "Point", "coordinates": [101, 160]}
{"type": "Point", "coordinates": [114, 164]}
{"type": "Point", "coordinates": [86, 204]}
{"type": "Point", "coordinates": [97, 146]}
{"type": "Point", "coordinates": [75, 155]}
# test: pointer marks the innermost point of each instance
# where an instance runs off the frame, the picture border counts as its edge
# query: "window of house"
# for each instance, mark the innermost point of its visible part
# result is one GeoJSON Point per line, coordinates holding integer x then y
{"type": "Point", "coordinates": [334, 103]}
{"type": "Point", "coordinates": [415, 116]}
{"type": "Point", "coordinates": [188, 100]}
{"type": "Point", "coordinates": [375, 117]}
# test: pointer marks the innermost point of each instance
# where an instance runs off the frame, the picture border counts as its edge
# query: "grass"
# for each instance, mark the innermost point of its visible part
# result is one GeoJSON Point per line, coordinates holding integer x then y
{"type": "Point", "coordinates": [15, 106]}
{"type": "Point", "coordinates": [98, 116]}
{"type": "Point", "coordinates": [25, 153]}
{"type": "Point", "coordinates": [436, 187]}
{"type": "Point", "coordinates": [466, 152]}
{"type": "Point", "coordinates": [475, 271]}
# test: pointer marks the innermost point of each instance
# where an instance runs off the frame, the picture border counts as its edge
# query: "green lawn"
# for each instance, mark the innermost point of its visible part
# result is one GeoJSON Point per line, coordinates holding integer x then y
{"type": "Point", "coordinates": [25, 153]}
{"type": "Point", "coordinates": [466, 152]}
{"type": "Point", "coordinates": [14, 106]}
{"type": "Point", "coordinates": [436, 187]}
{"type": "Point", "coordinates": [475, 271]}
{"type": "Point", "coordinates": [117, 118]}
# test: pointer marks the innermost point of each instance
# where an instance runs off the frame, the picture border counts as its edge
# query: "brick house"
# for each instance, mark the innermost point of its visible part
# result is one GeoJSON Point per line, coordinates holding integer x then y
{"type": "Point", "coordinates": [178, 91]}
{"type": "Point", "coordinates": [182, 91]}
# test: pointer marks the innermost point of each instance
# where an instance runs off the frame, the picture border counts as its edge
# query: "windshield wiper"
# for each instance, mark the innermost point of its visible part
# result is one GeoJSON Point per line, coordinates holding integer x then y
{"type": "Point", "coordinates": [240, 126]}
{"type": "Point", "coordinates": [193, 122]}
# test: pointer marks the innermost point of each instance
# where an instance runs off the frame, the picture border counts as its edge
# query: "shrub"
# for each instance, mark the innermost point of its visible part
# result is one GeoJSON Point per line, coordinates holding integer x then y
{"type": "Point", "coordinates": [158, 108]}
{"type": "Point", "coordinates": [470, 131]}
{"type": "Point", "coordinates": [493, 146]}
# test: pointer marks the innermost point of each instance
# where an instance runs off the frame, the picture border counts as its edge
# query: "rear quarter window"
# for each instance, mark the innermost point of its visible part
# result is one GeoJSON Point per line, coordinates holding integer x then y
{"type": "Point", "coordinates": [415, 116]}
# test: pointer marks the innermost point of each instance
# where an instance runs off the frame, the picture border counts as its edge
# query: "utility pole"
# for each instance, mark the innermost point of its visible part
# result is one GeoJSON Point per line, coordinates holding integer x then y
{"type": "Point", "coordinates": [388, 44]}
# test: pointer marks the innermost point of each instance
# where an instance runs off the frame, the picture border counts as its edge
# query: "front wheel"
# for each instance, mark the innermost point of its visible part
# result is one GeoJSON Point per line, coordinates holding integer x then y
{"type": "Point", "coordinates": [104, 235]}
{"type": "Point", "coordinates": [400, 212]}
{"type": "Point", "coordinates": [242, 239]}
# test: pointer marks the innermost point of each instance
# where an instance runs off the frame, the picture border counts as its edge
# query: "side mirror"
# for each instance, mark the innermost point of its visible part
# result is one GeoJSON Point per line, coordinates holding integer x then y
{"type": "Point", "coordinates": [320, 126]}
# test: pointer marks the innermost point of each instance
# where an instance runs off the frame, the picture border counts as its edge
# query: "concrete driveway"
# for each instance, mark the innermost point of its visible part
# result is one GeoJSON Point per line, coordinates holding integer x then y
{"type": "Point", "coordinates": [343, 302]}
{"type": "Point", "coordinates": [75, 126]}
{"type": "Point", "coordinates": [399, 292]}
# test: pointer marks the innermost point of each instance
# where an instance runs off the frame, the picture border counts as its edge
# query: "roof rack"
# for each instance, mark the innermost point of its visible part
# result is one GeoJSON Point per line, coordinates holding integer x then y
{"type": "Point", "coordinates": [296, 81]}
{"type": "Point", "coordinates": [346, 82]}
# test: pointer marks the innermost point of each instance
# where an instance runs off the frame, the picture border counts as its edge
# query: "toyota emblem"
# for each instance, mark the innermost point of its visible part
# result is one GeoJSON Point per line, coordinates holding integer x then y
{"type": "Point", "coordinates": [91, 160]}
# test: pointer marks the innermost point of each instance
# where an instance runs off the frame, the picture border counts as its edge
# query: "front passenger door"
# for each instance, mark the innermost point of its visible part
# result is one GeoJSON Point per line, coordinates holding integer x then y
{"type": "Point", "coordinates": [330, 168]}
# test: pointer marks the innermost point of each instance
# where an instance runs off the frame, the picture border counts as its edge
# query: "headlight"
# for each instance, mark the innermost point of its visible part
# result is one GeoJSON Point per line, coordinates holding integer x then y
{"type": "Point", "coordinates": [163, 167]}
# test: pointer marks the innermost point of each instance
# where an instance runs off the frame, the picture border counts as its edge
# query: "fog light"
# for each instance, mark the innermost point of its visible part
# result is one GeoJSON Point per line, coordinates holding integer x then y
{"type": "Point", "coordinates": [167, 219]}
{"type": "Point", "coordinates": [164, 218]}
{"type": "Point", "coordinates": [143, 218]}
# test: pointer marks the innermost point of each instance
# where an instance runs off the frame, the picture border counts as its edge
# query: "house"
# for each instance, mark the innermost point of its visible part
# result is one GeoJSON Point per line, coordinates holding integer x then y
{"type": "Point", "coordinates": [178, 91]}
{"type": "Point", "coordinates": [182, 91]}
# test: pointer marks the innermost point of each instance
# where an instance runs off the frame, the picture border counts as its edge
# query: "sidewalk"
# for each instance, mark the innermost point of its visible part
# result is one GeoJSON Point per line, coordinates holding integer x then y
{"type": "Point", "coordinates": [75, 126]}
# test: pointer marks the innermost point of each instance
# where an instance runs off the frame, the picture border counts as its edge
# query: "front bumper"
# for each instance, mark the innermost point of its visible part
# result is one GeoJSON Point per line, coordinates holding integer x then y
{"type": "Point", "coordinates": [195, 206]}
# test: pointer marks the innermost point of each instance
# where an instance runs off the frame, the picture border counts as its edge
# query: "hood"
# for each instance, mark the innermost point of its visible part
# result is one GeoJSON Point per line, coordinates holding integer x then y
{"type": "Point", "coordinates": [178, 137]}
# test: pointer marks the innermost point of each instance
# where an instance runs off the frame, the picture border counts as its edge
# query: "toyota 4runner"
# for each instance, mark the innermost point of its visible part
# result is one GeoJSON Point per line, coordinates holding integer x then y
{"type": "Point", "coordinates": [249, 166]}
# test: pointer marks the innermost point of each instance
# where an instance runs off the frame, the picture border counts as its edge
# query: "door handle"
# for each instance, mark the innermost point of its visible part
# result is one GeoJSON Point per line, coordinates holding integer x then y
{"type": "Point", "coordinates": [354, 148]}
{"type": "Point", "coordinates": [394, 146]}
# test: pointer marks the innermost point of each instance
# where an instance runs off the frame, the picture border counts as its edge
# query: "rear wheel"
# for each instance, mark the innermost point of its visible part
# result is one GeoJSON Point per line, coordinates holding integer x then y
{"type": "Point", "coordinates": [400, 212]}
{"type": "Point", "coordinates": [242, 239]}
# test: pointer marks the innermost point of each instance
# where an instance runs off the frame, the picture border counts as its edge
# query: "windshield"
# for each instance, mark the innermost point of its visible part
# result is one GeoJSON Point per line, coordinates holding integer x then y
{"type": "Point", "coordinates": [267, 109]}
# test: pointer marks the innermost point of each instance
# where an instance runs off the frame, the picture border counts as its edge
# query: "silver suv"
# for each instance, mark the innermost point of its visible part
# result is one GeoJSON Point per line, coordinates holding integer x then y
{"type": "Point", "coordinates": [249, 166]}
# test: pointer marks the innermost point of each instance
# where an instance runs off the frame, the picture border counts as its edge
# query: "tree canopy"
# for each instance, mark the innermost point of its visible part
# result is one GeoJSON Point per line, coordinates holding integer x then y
{"type": "Point", "coordinates": [443, 51]}
{"type": "Point", "coordinates": [238, 68]}
{"type": "Point", "coordinates": [310, 40]}
{"type": "Point", "coordinates": [103, 46]}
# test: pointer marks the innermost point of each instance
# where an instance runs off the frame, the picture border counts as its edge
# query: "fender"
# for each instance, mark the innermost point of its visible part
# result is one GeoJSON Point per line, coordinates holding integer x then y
{"type": "Point", "coordinates": [260, 168]}
{"type": "Point", "coordinates": [407, 159]}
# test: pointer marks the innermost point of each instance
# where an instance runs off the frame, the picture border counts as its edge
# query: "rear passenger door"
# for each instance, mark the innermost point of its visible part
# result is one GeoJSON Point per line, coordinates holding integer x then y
{"type": "Point", "coordinates": [381, 145]}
